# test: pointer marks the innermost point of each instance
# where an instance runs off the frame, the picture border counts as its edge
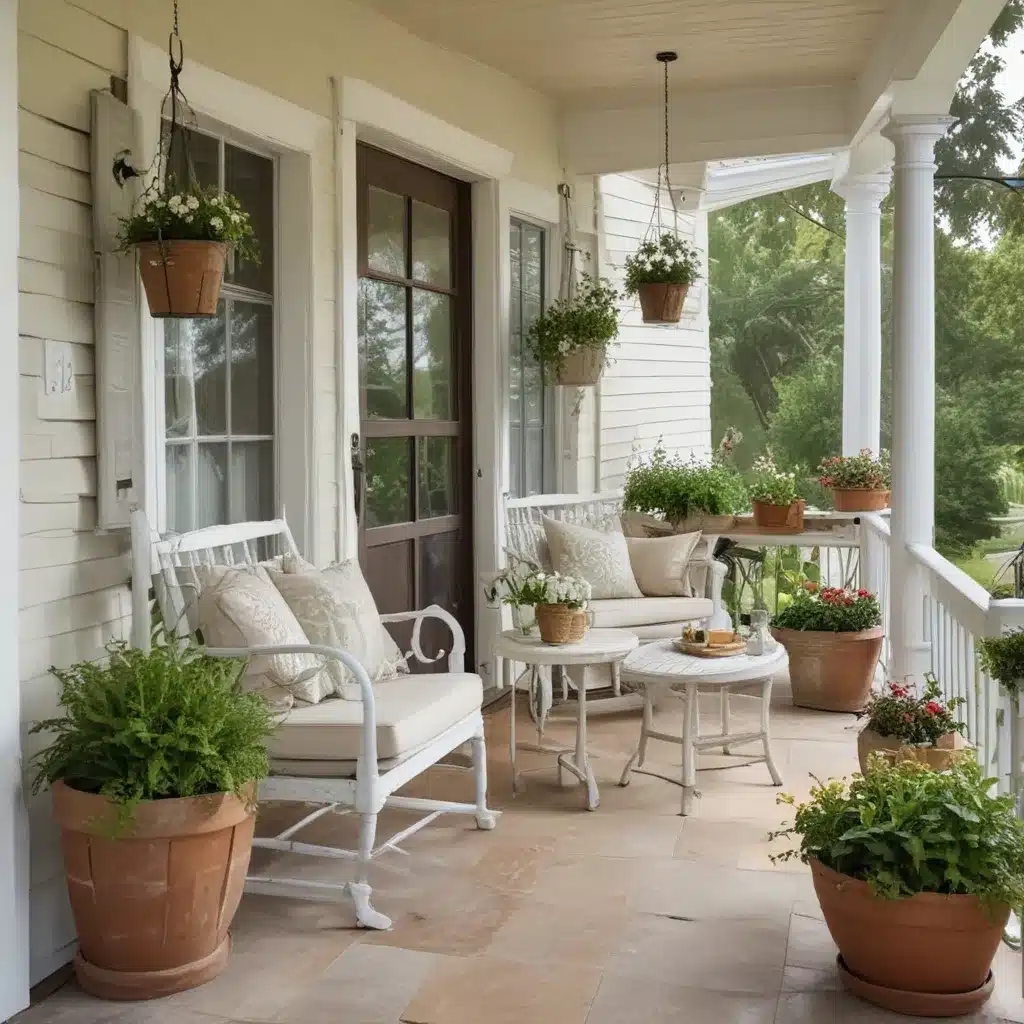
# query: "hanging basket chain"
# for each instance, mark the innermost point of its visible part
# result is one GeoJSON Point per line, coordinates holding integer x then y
{"type": "Point", "coordinates": [657, 227]}
{"type": "Point", "coordinates": [568, 280]}
{"type": "Point", "coordinates": [182, 116]}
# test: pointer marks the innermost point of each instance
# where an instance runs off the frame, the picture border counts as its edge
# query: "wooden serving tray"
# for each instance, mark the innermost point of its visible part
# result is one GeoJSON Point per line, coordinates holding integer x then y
{"type": "Point", "coordinates": [714, 651]}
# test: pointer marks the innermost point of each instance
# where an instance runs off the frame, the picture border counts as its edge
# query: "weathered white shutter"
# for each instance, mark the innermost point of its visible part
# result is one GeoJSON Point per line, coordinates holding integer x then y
{"type": "Point", "coordinates": [119, 418]}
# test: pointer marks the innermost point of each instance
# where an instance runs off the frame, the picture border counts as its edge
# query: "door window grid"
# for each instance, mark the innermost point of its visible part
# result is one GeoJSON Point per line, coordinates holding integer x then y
{"type": "Point", "coordinates": [222, 475]}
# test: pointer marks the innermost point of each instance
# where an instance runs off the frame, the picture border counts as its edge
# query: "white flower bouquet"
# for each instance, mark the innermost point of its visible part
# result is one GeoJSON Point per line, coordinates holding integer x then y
{"type": "Point", "coordinates": [553, 588]}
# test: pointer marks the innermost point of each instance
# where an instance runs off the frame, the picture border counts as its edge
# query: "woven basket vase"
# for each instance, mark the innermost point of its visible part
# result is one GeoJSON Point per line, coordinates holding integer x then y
{"type": "Point", "coordinates": [560, 624]}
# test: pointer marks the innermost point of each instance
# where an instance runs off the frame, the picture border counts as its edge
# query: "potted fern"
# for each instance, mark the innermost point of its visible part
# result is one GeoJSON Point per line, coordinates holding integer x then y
{"type": "Point", "coordinates": [153, 769]}
{"type": "Point", "coordinates": [570, 339]}
{"type": "Point", "coordinates": [660, 273]}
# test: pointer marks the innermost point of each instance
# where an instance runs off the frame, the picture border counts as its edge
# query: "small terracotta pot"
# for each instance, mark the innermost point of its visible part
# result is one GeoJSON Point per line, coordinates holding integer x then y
{"type": "Point", "coordinates": [831, 671]}
{"type": "Point", "coordinates": [779, 517]}
{"type": "Point", "coordinates": [182, 279]}
{"type": "Point", "coordinates": [928, 944]}
{"type": "Point", "coordinates": [947, 749]}
{"type": "Point", "coordinates": [662, 303]}
{"type": "Point", "coordinates": [581, 368]}
{"type": "Point", "coordinates": [560, 624]}
{"type": "Point", "coordinates": [860, 499]}
{"type": "Point", "coordinates": [152, 907]}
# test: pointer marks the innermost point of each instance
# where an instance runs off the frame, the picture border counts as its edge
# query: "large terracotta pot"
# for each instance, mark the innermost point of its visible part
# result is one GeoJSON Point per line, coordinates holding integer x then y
{"type": "Point", "coordinates": [831, 671]}
{"type": "Point", "coordinates": [919, 954]}
{"type": "Point", "coordinates": [581, 368]}
{"type": "Point", "coordinates": [946, 750]}
{"type": "Point", "coordinates": [859, 499]}
{"type": "Point", "coordinates": [153, 906]}
{"type": "Point", "coordinates": [182, 279]}
{"type": "Point", "coordinates": [662, 303]}
{"type": "Point", "coordinates": [789, 518]}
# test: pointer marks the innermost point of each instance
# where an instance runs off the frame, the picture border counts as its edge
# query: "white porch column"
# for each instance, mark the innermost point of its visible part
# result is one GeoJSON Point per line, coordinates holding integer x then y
{"type": "Point", "coordinates": [913, 401]}
{"type": "Point", "coordinates": [862, 331]}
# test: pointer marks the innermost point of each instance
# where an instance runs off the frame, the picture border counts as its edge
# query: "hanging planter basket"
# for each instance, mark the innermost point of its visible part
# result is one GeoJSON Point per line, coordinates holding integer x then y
{"type": "Point", "coordinates": [662, 303]}
{"type": "Point", "coordinates": [581, 368]}
{"type": "Point", "coordinates": [182, 278]}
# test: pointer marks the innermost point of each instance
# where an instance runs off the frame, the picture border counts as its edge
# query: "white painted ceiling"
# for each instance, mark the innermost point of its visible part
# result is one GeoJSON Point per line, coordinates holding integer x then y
{"type": "Point", "coordinates": [585, 51]}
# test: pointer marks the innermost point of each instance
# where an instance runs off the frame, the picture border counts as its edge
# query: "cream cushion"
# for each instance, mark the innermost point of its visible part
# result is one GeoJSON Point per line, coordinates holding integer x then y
{"type": "Point", "coordinates": [411, 711]}
{"type": "Point", "coordinates": [660, 564]}
{"type": "Point", "coordinates": [240, 607]}
{"type": "Point", "coordinates": [599, 557]}
{"type": "Point", "coordinates": [625, 614]}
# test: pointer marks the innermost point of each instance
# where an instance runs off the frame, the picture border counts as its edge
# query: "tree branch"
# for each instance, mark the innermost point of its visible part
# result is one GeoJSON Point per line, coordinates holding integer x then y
{"type": "Point", "coordinates": [806, 216]}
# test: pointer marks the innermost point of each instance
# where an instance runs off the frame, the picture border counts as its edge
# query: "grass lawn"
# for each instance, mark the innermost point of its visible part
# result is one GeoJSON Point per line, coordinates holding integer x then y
{"type": "Point", "coordinates": [979, 568]}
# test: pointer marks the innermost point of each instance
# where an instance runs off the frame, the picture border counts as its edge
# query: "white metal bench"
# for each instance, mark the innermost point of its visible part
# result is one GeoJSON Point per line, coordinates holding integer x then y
{"type": "Point", "coordinates": [365, 785]}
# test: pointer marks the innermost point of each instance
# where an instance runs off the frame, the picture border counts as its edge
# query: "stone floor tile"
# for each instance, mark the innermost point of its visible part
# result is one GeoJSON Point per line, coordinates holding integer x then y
{"type": "Point", "coordinates": [808, 1008]}
{"type": "Point", "coordinates": [810, 944]}
{"type": "Point", "coordinates": [807, 979]}
{"type": "Point", "coordinates": [575, 881]}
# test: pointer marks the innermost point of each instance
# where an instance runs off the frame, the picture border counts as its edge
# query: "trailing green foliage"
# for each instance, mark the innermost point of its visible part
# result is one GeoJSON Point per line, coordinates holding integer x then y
{"type": "Point", "coordinates": [1002, 657]}
{"type": "Point", "coordinates": [669, 260]}
{"type": "Point", "coordinates": [151, 725]}
{"type": "Point", "coordinates": [905, 829]}
{"type": "Point", "coordinates": [829, 610]}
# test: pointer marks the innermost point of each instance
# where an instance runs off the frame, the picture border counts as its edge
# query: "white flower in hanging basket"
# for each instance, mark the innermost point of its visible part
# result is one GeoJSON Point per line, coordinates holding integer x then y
{"type": "Point", "coordinates": [660, 272]}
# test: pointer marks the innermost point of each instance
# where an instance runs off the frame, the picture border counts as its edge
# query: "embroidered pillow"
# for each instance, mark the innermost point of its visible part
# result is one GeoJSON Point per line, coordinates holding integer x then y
{"type": "Point", "coordinates": [601, 558]}
{"type": "Point", "coordinates": [240, 607]}
{"type": "Point", "coordinates": [661, 565]}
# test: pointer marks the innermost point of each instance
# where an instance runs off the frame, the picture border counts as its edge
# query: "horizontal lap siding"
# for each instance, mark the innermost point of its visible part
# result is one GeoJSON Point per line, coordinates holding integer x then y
{"type": "Point", "coordinates": [72, 587]}
{"type": "Point", "coordinates": [659, 385]}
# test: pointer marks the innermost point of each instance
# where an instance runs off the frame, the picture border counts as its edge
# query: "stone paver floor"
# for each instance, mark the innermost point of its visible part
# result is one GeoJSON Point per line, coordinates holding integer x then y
{"type": "Point", "coordinates": [627, 915]}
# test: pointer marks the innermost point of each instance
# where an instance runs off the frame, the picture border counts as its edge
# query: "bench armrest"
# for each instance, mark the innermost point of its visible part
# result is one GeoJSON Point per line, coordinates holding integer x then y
{"type": "Point", "coordinates": [457, 655]}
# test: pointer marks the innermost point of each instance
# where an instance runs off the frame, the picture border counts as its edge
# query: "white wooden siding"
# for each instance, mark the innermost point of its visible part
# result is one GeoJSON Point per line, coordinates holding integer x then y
{"type": "Point", "coordinates": [660, 384]}
{"type": "Point", "coordinates": [72, 590]}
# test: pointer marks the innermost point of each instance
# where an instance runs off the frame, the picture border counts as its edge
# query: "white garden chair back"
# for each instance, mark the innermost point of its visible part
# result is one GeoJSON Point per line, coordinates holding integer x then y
{"type": "Point", "coordinates": [171, 566]}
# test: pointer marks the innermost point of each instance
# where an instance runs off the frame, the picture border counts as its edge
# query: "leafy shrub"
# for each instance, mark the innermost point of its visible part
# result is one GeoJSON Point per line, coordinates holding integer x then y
{"type": "Point", "coordinates": [151, 725]}
{"type": "Point", "coordinates": [1002, 657]}
{"type": "Point", "coordinates": [669, 260]}
{"type": "Point", "coordinates": [587, 319]}
{"type": "Point", "coordinates": [829, 610]}
{"type": "Point", "coordinates": [901, 713]}
{"type": "Point", "coordinates": [674, 488]}
{"type": "Point", "coordinates": [771, 485]}
{"type": "Point", "coordinates": [904, 829]}
{"type": "Point", "coordinates": [856, 471]}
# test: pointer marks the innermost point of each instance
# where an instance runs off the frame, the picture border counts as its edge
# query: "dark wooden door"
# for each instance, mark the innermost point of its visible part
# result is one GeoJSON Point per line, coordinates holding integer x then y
{"type": "Point", "coordinates": [415, 321]}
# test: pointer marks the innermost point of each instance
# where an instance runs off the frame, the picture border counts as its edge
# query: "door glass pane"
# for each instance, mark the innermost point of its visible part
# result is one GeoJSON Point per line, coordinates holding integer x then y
{"type": "Point", "coordinates": [436, 476]}
{"type": "Point", "coordinates": [252, 368]}
{"type": "Point", "coordinates": [382, 346]}
{"type": "Point", "coordinates": [204, 151]}
{"type": "Point", "coordinates": [432, 355]}
{"type": "Point", "coordinates": [441, 560]}
{"type": "Point", "coordinates": [211, 485]}
{"type": "Point", "coordinates": [534, 460]}
{"type": "Point", "coordinates": [250, 178]}
{"type": "Point", "coordinates": [388, 481]}
{"type": "Point", "coordinates": [385, 232]}
{"type": "Point", "coordinates": [179, 488]}
{"type": "Point", "coordinates": [252, 480]}
{"type": "Point", "coordinates": [196, 356]}
{"type": "Point", "coordinates": [431, 244]}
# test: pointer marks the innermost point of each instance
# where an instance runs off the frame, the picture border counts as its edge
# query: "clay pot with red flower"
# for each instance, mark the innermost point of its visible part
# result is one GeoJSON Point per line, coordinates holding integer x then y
{"type": "Point", "coordinates": [859, 483]}
{"type": "Point", "coordinates": [833, 636]}
{"type": "Point", "coordinates": [902, 724]}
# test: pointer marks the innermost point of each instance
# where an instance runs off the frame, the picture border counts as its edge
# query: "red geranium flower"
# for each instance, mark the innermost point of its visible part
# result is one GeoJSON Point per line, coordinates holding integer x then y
{"type": "Point", "coordinates": [907, 717]}
{"type": "Point", "coordinates": [933, 707]}
{"type": "Point", "coordinates": [863, 593]}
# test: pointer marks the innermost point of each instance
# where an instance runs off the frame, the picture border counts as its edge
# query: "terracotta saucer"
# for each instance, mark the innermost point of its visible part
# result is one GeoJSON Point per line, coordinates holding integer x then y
{"type": "Point", "coordinates": [916, 1004]}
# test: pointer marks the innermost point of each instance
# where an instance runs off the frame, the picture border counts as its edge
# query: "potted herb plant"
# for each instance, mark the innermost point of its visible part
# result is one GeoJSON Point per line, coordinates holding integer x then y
{"type": "Point", "coordinates": [1002, 657]}
{"type": "Point", "coordinates": [183, 236]}
{"type": "Point", "coordinates": [903, 725]}
{"type": "Point", "coordinates": [688, 493]}
{"type": "Point", "coordinates": [833, 636]}
{"type": "Point", "coordinates": [153, 769]}
{"type": "Point", "coordinates": [570, 339]}
{"type": "Point", "coordinates": [859, 483]}
{"type": "Point", "coordinates": [774, 498]}
{"type": "Point", "coordinates": [560, 604]}
{"type": "Point", "coordinates": [916, 872]}
{"type": "Point", "coordinates": [660, 273]}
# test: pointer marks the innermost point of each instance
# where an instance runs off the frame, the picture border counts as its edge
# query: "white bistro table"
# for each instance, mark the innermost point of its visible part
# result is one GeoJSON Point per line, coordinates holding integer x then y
{"type": "Point", "coordinates": [598, 647]}
{"type": "Point", "coordinates": [660, 668]}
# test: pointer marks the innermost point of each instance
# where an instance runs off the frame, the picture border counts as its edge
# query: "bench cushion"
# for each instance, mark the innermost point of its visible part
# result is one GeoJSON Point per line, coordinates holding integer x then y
{"type": "Point", "coordinates": [411, 711]}
{"type": "Point", "coordinates": [622, 613]}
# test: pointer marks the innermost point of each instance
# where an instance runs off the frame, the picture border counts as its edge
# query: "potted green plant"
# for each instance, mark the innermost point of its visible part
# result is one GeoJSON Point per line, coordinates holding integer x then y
{"type": "Point", "coordinates": [570, 339]}
{"type": "Point", "coordinates": [902, 724]}
{"type": "Point", "coordinates": [688, 493]}
{"type": "Point", "coordinates": [183, 236]}
{"type": "Point", "coordinates": [833, 636]}
{"type": "Point", "coordinates": [915, 871]}
{"type": "Point", "coordinates": [660, 273]}
{"type": "Point", "coordinates": [859, 483]}
{"type": "Point", "coordinates": [153, 769]}
{"type": "Point", "coordinates": [560, 604]}
{"type": "Point", "coordinates": [1002, 657]}
{"type": "Point", "coordinates": [774, 497]}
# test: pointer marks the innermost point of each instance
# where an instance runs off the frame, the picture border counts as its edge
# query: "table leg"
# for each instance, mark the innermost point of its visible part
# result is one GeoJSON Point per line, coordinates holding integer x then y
{"type": "Point", "coordinates": [691, 732]}
{"type": "Point", "coordinates": [646, 724]}
{"type": "Point", "coordinates": [582, 760]}
{"type": "Point", "coordinates": [766, 701]}
{"type": "Point", "coordinates": [512, 737]}
{"type": "Point", "coordinates": [724, 710]}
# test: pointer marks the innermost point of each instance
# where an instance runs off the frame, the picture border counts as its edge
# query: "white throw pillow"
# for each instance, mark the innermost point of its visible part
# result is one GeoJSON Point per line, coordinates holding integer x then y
{"type": "Point", "coordinates": [661, 565]}
{"type": "Point", "coordinates": [240, 607]}
{"type": "Point", "coordinates": [601, 558]}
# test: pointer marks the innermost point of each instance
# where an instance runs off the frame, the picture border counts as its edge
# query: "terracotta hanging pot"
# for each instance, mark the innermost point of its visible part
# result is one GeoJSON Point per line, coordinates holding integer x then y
{"type": "Point", "coordinates": [581, 368]}
{"type": "Point", "coordinates": [662, 303]}
{"type": "Point", "coordinates": [860, 499]}
{"type": "Point", "coordinates": [784, 518]}
{"type": "Point", "coordinates": [831, 671]}
{"type": "Point", "coordinates": [928, 955]}
{"type": "Point", "coordinates": [152, 906]}
{"type": "Point", "coordinates": [940, 756]}
{"type": "Point", "coordinates": [560, 624]}
{"type": "Point", "coordinates": [182, 278]}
